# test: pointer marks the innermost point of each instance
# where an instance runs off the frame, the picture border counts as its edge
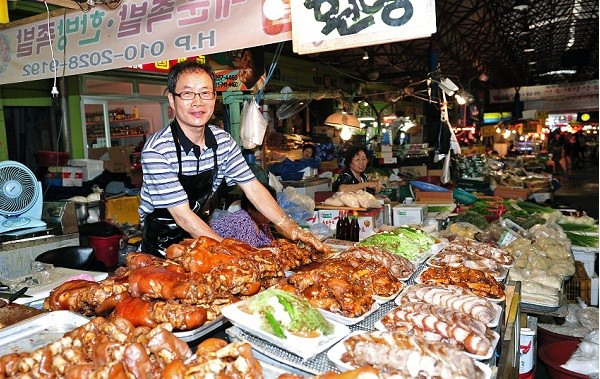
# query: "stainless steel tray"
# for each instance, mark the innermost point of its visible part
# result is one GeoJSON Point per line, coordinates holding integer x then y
{"type": "Point", "coordinates": [194, 334]}
{"type": "Point", "coordinates": [38, 331]}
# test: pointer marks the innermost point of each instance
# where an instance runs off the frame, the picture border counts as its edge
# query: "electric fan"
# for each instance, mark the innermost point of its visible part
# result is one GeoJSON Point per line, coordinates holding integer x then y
{"type": "Point", "coordinates": [20, 198]}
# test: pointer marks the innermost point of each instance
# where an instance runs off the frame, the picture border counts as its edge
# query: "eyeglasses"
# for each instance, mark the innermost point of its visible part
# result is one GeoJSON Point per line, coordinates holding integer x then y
{"type": "Point", "coordinates": [189, 95]}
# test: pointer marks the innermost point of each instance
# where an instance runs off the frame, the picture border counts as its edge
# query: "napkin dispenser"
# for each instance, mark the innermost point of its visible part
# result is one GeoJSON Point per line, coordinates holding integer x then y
{"type": "Point", "coordinates": [62, 214]}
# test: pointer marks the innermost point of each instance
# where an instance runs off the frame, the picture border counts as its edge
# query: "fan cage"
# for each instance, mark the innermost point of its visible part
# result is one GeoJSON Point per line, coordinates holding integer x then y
{"type": "Point", "coordinates": [16, 174]}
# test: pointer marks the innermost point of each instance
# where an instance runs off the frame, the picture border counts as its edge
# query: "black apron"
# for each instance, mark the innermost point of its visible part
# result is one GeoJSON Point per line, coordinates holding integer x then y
{"type": "Point", "coordinates": [160, 230]}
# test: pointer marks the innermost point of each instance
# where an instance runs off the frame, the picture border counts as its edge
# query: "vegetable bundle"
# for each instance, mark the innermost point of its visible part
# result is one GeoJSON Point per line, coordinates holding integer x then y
{"type": "Point", "coordinates": [282, 310]}
{"type": "Point", "coordinates": [407, 242]}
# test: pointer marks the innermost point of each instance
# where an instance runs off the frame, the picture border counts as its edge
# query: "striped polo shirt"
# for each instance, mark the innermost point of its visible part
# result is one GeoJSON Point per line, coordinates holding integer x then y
{"type": "Point", "coordinates": [161, 187]}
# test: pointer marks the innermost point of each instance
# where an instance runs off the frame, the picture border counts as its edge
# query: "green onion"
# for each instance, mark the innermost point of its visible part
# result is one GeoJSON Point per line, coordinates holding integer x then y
{"type": "Point", "coordinates": [572, 227]}
{"type": "Point", "coordinates": [534, 208]}
{"type": "Point", "coordinates": [584, 240]}
{"type": "Point", "coordinates": [274, 324]}
{"type": "Point", "coordinates": [289, 308]}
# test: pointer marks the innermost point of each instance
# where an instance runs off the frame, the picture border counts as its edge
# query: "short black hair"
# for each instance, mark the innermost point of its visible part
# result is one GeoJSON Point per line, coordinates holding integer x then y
{"type": "Point", "coordinates": [245, 203]}
{"type": "Point", "coordinates": [186, 67]}
{"type": "Point", "coordinates": [310, 146]}
{"type": "Point", "coordinates": [351, 153]}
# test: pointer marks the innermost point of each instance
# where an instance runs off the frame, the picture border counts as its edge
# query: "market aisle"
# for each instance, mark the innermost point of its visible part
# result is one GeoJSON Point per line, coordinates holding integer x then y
{"type": "Point", "coordinates": [581, 191]}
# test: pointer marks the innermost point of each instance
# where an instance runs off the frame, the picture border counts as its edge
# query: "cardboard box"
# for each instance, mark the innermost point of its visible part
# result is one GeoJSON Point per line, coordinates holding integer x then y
{"type": "Point", "coordinates": [413, 214]}
{"type": "Point", "coordinates": [62, 213]}
{"type": "Point", "coordinates": [427, 197]}
{"type": "Point", "coordinates": [385, 148]}
{"type": "Point", "coordinates": [368, 221]}
{"type": "Point", "coordinates": [312, 220]}
{"type": "Point", "coordinates": [329, 165]}
{"type": "Point", "coordinates": [65, 176]}
{"type": "Point", "coordinates": [511, 193]}
{"type": "Point", "coordinates": [388, 160]}
{"type": "Point", "coordinates": [384, 154]}
{"type": "Point", "coordinates": [123, 210]}
{"type": "Point", "coordinates": [116, 159]}
{"type": "Point", "coordinates": [416, 171]}
{"type": "Point", "coordinates": [91, 167]}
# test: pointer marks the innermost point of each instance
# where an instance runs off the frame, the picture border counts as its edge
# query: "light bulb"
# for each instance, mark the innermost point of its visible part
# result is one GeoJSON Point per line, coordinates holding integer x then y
{"type": "Point", "coordinates": [346, 133]}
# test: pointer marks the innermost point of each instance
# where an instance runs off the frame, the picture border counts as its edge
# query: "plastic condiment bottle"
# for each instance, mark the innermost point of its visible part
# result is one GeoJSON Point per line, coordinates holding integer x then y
{"type": "Point", "coordinates": [354, 228]}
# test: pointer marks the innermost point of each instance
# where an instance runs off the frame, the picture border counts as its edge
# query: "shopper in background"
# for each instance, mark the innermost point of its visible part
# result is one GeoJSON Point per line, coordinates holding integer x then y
{"type": "Point", "coordinates": [353, 177]}
{"type": "Point", "coordinates": [556, 143]}
{"type": "Point", "coordinates": [185, 162]}
{"type": "Point", "coordinates": [246, 224]}
{"type": "Point", "coordinates": [308, 151]}
{"type": "Point", "coordinates": [580, 149]}
{"type": "Point", "coordinates": [570, 149]}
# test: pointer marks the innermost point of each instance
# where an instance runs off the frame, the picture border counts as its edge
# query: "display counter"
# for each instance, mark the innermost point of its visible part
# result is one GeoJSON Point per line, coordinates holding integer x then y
{"type": "Point", "coordinates": [16, 256]}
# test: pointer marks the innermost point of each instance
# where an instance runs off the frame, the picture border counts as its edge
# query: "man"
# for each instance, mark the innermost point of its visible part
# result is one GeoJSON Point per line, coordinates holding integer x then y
{"type": "Point", "coordinates": [184, 163]}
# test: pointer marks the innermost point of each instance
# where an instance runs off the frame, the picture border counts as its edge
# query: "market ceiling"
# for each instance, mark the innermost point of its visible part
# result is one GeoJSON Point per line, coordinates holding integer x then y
{"type": "Point", "coordinates": [488, 37]}
{"type": "Point", "coordinates": [539, 42]}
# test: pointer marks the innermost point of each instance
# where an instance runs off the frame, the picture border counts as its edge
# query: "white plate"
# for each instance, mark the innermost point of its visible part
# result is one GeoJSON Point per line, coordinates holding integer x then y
{"type": "Point", "coordinates": [349, 320]}
{"type": "Point", "coordinates": [499, 300]}
{"type": "Point", "coordinates": [303, 347]}
{"type": "Point", "coordinates": [497, 313]}
{"type": "Point", "coordinates": [38, 331]}
{"type": "Point", "coordinates": [385, 299]}
{"type": "Point", "coordinates": [499, 275]}
{"type": "Point", "coordinates": [488, 354]}
{"type": "Point", "coordinates": [194, 334]}
{"type": "Point", "coordinates": [492, 324]}
{"type": "Point", "coordinates": [335, 354]}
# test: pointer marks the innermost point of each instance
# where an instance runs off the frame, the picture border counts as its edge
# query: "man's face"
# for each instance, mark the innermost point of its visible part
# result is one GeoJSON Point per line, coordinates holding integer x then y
{"type": "Point", "coordinates": [196, 112]}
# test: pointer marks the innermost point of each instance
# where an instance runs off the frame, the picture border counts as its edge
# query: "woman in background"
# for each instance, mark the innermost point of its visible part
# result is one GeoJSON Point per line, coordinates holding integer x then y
{"type": "Point", "coordinates": [353, 177]}
{"type": "Point", "coordinates": [308, 151]}
{"type": "Point", "coordinates": [246, 224]}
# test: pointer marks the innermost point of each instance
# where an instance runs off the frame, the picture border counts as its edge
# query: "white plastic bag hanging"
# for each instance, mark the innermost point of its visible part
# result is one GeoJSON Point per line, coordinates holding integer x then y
{"type": "Point", "coordinates": [252, 125]}
{"type": "Point", "coordinates": [445, 177]}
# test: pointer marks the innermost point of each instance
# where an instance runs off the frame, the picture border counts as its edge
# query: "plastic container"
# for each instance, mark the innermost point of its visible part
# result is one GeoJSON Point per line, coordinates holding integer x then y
{"type": "Point", "coordinates": [463, 196]}
{"type": "Point", "coordinates": [555, 354]}
{"type": "Point", "coordinates": [106, 249]}
{"type": "Point", "coordinates": [546, 337]}
{"type": "Point", "coordinates": [51, 158]}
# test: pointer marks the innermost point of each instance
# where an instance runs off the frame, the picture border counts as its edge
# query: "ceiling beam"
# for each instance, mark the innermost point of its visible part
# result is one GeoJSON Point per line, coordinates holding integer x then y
{"type": "Point", "coordinates": [63, 3]}
{"type": "Point", "coordinates": [36, 18]}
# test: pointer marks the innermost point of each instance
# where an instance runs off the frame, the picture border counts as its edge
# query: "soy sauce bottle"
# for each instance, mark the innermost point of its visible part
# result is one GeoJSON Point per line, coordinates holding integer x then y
{"type": "Point", "coordinates": [354, 228]}
{"type": "Point", "coordinates": [341, 230]}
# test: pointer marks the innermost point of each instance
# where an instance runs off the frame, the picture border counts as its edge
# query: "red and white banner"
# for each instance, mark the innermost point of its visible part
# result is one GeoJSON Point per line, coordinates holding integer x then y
{"type": "Point", "coordinates": [137, 32]}
{"type": "Point", "coordinates": [325, 25]}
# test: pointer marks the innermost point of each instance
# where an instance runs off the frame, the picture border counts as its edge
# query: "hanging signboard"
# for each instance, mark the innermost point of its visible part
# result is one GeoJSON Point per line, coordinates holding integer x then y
{"type": "Point", "coordinates": [546, 92]}
{"type": "Point", "coordinates": [332, 25]}
{"type": "Point", "coordinates": [488, 131]}
{"type": "Point", "coordinates": [137, 32]}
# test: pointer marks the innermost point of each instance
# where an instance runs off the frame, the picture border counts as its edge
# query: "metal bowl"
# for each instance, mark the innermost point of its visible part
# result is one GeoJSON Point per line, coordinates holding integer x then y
{"type": "Point", "coordinates": [82, 211]}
